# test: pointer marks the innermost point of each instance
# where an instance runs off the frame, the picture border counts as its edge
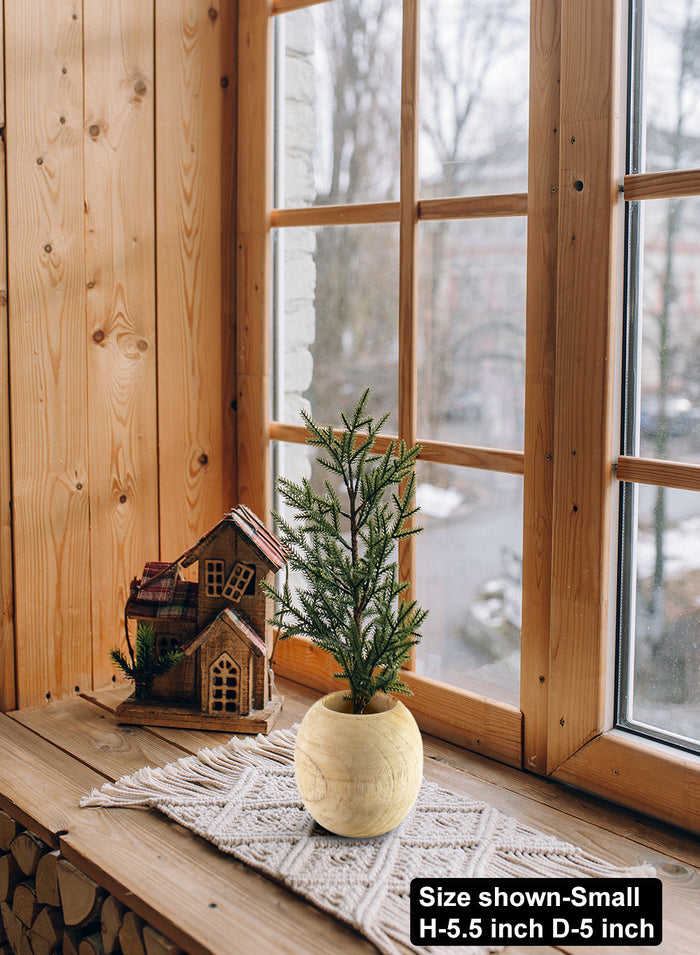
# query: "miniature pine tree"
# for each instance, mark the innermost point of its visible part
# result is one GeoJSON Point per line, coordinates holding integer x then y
{"type": "Point", "coordinates": [145, 664]}
{"type": "Point", "coordinates": [345, 549]}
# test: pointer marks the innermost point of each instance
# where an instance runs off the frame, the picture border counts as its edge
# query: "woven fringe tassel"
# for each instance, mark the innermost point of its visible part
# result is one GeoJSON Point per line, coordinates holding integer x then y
{"type": "Point", "coordinates": [211, 769]}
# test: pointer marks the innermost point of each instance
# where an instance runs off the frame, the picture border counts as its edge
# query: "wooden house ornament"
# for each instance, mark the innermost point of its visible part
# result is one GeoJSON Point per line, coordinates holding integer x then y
{"type": "Point", "coordinates": [223, 681]}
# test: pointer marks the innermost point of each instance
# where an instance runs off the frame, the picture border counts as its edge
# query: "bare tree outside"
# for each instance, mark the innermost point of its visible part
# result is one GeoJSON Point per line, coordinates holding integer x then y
{"type": "Point", "coordinates": [358, 160]}
{"type": "Point", "coordinates": [471, 285]}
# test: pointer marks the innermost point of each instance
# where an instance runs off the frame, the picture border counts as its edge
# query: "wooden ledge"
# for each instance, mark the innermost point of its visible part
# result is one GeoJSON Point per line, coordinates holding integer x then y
{"type": "Point", "coordinates": [196, 897]}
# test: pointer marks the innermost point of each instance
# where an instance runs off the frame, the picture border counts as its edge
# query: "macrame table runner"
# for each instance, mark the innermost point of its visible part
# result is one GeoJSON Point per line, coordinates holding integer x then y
{"type": "Point", "coordinates": [242, 797]}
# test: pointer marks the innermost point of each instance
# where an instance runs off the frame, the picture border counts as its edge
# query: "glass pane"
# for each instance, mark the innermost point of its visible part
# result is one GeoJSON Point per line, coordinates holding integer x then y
{"type": "Point", "coordinates": [473, 97]}
{"type": "Point", "coordinates": [471, 340]}
{"type": "Point", "coordinates": [670, 341]}
{"type": "Point", "coordinates": [338, 103]}
{"type": "Point", "coordinates": [663, 691]}
{"type": "Point", "coordinates": [671, 85]}
{"type": "Point", "coordinates": [469, 576]}
{"type": "Point", "coordinates": [335, 297]}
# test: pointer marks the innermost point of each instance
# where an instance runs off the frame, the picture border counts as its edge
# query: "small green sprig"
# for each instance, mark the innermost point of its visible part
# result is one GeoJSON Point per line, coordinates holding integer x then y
{"type": "Point", "coordinates": [352, 603]}
{"type": "Point", "coordinates": [145, 665]}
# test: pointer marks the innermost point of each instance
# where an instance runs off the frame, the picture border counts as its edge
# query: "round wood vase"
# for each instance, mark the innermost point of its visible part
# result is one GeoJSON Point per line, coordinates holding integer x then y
{"type": "Point", "coordinates": [358, 775]}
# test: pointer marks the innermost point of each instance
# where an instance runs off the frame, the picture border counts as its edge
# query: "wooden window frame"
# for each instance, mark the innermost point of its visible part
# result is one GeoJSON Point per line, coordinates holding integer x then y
{"type": "Point", "coordinates": [564, 727]}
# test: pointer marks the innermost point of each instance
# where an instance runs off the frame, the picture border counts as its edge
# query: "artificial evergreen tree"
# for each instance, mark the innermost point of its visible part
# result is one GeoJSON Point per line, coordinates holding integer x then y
{"type": "Point", "coordinates": [144, 665]}
{"type": "Point", "coordinates": [345, 547]}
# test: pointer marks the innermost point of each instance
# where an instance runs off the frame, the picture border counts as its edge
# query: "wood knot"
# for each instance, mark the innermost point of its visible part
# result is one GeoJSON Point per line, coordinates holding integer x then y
{"type": "Point", "coordinates": [98, 336]}
{"type": "Point", "coordinates": [203, 459]}
{"type": "Point", "coordinates": [140, 87]}
{"type": "Point", "coordinates": [94, 130]}
{"type": "Point", "coordinates": [671, 868]}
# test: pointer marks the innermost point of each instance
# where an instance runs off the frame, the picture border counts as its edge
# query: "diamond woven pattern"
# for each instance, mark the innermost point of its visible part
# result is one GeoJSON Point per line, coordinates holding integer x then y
{"type": "Point", "coordinates": [243, 798]}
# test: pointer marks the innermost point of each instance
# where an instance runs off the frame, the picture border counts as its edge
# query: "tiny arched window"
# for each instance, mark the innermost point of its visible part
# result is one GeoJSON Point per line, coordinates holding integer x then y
{"type": "Point", "coordinates": [224, 685]}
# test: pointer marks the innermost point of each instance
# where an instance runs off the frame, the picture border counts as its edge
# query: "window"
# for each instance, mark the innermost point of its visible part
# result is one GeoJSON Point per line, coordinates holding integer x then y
{"type": "Point", "coordinates": [223, 685]}
{"type": "Point", "coordinates": [240, 582]}
{"type": "Point", "coordinates": [342, 319]}
{"type": "Point", "coordinates": [214, 578]}
{"type": "Point", "coordinates": [471, 279]}
{"type": "Point", "coordinates": [659, 617]}
{"type": "Point", "coordinates": [165, 642]}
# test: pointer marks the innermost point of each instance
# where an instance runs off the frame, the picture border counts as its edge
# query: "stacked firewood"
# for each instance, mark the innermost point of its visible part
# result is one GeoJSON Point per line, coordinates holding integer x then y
{"type": "Point", "coordinates": [48, 906]}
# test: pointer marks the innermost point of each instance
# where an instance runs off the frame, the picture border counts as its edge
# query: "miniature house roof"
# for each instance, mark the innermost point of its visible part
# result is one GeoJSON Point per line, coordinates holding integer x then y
{"type": "Point", "coordinates": [162, 594]}
{"type": "Point", "coordinates": [267, 546]}
{"type": "Point", "coordinates": [238, 625]}
{"type": "Point", "coordinates": [158, 582]}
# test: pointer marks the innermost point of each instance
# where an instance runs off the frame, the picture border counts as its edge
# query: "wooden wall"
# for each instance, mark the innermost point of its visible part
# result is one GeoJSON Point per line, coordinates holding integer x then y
{"type": "Point", "coordinates": [117, 405]}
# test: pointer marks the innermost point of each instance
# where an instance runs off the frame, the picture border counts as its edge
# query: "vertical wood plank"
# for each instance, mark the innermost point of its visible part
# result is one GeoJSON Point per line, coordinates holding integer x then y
{"type": "Point", "coordinates": [228, 177]}
{"type": "Point", "coordinates": [7, 630]}
{"type": "Point", "coordinates": [583, 473]}
{"type": "Point", "coordinates": [253, 255]}
{"type": "Point", "coordinates": [543, 203]}
{"type": "Point", "coordinates": [120, 263]}
{"type": "Point", "coordinates": [46, 275]}
{"type": "Point", "coordinates": [194, 58]}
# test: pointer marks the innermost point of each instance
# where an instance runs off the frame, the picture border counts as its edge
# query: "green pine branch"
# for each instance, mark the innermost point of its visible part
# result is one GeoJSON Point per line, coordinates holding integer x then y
{"type": "Point", "coordinates": [145, 664]}
{"type": "Point", "coordinates": [350, 601]}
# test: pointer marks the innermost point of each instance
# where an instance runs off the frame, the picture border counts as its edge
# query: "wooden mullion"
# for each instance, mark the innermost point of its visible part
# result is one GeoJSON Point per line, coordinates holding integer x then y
{"type": "Point", "coordinates": [662, 185]}
{"type": "Point", "coordinates": [408, 245]}
{"type": "Point", "coordinates": [473, 207]}
{"type": "Point", "coordinates": [543, 214]}
{"type": "Point", "coordinates": [365, 213]}
{"type": "Point", "coordinates": [370, 213]}
{"type": "Point", "coordinates": [475, 722]}
{"type": "Point", "coordinates": [439, 452]}
{"type": "Point", "coordinates": [288, 6]}
{"type": "Point", "coordinates": [673, 474]}
{"type": "Point", "coordinates": [253, 255]}
{"type": "Point", "coordinates": [489, 459]}
{"type": "Point", "coordinates": [408, 234]}
{"type": "Point", "coordinates": [579, 678]}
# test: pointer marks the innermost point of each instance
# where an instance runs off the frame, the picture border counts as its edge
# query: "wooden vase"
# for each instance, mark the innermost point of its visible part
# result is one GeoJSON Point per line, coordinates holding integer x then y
{"type": "Point", "coordinates": [358, 775]}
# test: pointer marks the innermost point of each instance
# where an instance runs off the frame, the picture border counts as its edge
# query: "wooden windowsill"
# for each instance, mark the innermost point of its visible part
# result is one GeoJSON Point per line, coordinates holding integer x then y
{"type": "Point", "coordinates": [195, 895]}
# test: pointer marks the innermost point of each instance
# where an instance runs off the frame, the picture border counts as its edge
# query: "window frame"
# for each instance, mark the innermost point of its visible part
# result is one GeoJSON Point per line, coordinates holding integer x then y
{"type": "Point", "coordinates": [214, 577]}
{"type": "Point", "coordinates": [240, 581]}
{"type": "Point", "coordinates": [570, 464]}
